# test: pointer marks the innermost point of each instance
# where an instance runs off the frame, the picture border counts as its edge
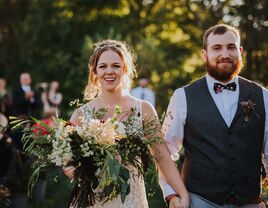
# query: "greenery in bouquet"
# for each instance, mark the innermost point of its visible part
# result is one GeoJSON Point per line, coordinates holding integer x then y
{"type": "Point", "coordinates": [99, 150]}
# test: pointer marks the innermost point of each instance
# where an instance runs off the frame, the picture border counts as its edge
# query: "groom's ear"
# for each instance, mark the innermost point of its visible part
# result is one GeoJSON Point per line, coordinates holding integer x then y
{"type": "Point", "coordinates": [204, 55]}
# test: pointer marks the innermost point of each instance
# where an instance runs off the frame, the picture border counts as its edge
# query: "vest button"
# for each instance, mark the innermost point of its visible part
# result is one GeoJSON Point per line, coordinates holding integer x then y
{"type": "Point", "coordinates": [232, 158]}
{"type": "Point", "coordinates": [232, 172]}
{"type": "Point", "coordinates": [229, 132]}
{"type": "Point", "coordinates": [231, 145]}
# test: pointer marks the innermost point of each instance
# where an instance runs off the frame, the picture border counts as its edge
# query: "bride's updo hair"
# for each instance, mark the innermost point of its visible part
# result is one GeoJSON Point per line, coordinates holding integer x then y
{"type": "Point", "coordinates": [93, 87]}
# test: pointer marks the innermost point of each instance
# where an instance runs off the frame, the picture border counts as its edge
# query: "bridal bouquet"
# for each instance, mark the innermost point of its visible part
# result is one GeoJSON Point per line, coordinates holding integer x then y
{"type": "Point", "coordinates": [99, 150]}
{"type": "Point", "coordinates": [264, 191]}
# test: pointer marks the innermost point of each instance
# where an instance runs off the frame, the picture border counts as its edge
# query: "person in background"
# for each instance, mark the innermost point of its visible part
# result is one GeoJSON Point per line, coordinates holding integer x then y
{"type": "Point", "coordinates": [5, 152]}
{"type": "Point", "coordinates": [25, 103]}
{"type": "Point", "coordinates": [143, 92]}
{"type": "Point", "coordinates": [5, 98]}
{"type": "Point", "coordinates": [5, 140]}
{"type": "Point", "coordinates": [51, 100]}
{"type": "Point", "coordinates": [5, 148]}
{"type": "Point", "coordinates": [24, 98]}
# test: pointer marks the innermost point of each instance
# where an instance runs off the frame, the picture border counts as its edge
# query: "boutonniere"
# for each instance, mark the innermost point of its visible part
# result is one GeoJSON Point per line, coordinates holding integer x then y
{"type": "Point", "coordinates": [247, 107]}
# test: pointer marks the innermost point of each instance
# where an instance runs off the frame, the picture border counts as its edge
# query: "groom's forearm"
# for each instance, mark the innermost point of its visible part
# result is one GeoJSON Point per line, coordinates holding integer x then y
{"type": "Point", "coordinates": [169, 171]}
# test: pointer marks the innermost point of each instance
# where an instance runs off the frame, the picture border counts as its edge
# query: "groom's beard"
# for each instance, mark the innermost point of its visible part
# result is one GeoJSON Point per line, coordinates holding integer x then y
{"type": "Point", "coordinates": [224, 73]}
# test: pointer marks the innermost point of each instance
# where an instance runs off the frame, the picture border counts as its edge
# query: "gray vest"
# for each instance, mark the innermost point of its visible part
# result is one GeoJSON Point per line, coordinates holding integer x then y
{"type": "Point", "coordinates": [222, 160]}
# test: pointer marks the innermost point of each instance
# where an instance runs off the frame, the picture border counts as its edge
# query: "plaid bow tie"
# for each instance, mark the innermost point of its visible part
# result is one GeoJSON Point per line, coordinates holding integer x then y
{"type": "Point", "coordinates": [218, 87]}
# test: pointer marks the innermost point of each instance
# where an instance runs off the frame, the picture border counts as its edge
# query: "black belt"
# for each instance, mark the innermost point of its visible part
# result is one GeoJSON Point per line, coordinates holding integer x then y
{"type": "Point", "coordinates": [232, 200]}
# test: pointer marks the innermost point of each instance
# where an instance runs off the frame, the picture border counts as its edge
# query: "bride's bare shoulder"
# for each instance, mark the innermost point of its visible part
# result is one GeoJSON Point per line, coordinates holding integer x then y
{"type": "Point", "coordinates": [75, 118]}
{"type": "Point", "coordinates": [148, 110]}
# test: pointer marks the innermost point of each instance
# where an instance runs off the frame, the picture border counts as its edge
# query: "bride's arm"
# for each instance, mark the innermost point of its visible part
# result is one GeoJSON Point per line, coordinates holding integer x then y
{"type": "Point", "coordinates": [76, 117]}
{"type": "Point", "coordinates": [167, 167]}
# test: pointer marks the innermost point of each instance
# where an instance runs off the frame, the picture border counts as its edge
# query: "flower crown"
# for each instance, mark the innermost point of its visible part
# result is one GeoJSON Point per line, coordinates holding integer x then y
{"type": "Point", "coordinates": [107, 46]}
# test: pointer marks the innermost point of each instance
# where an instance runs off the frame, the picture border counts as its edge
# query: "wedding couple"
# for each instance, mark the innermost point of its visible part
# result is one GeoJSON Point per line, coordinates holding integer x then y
{"type": "Point", "coordinates": [219, 119]}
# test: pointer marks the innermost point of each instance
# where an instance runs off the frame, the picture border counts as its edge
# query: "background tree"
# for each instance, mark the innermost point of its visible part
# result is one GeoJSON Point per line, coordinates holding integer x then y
{"type": "Point", "coordinates": [53, 39]}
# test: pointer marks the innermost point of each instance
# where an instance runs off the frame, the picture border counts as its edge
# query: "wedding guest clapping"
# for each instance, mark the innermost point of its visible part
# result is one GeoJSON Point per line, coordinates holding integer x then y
{"type": "Point", "coordinates": [24, 98]}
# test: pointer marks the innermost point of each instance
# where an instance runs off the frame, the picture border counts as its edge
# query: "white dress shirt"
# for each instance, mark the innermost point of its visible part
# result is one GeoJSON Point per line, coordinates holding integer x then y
{"type": "Point", "coordinates": [226, 102]}
{"type": "Point", "coordinates": [144, 94]}
{"type": "Point", "coordinates": [27, 88]}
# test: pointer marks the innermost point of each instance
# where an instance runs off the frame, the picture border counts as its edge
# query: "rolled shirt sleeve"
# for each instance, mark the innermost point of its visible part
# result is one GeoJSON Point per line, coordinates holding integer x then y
{"type": "Point", "coordinates": [173, 130]}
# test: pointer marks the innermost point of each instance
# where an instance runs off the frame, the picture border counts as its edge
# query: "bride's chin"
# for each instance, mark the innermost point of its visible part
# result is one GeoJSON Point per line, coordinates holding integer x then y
{"type": "Point", "coordinates": [111, 88]}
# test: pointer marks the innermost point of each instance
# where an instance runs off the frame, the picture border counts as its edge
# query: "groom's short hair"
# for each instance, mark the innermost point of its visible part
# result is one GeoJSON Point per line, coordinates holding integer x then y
{"type": "Point", "coordinates": [219, 29]}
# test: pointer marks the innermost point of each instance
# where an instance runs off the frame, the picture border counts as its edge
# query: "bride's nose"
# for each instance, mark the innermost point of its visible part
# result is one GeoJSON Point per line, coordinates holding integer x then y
{"type": "Point", "coordinates": [109, 70]}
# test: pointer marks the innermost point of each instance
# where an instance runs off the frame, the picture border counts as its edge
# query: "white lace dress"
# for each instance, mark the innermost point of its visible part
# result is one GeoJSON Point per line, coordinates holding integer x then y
{"type": "Point", "coordinates": [137, 196]}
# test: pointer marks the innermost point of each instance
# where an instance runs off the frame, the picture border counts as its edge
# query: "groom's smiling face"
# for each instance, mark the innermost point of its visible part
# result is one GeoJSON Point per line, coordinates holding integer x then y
{"type": "Point", "coordinates": [223, 56]}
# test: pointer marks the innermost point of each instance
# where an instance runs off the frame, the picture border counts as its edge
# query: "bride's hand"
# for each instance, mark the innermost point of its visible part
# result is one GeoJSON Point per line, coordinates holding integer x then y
{"type": "Point", "coordinates": [69, 171]}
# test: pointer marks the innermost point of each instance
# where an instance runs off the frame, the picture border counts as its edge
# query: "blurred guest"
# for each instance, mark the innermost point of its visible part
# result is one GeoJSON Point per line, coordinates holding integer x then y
{"type": "Point", "coordinates": [24, 98]}
{"type": "Point", "coordinates": [5, 148]}
{"type": "Point", "coordinates": [5, 98]}
{"type": "Point", "coordinates": [144, 93]}
{"type": "Point", "coordinates": [51, 100]}
{"type": "Point", "coordinates": [24, 104]}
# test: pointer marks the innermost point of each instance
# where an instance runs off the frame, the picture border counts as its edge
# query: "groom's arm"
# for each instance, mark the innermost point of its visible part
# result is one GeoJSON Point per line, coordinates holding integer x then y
{"type": "Point", "coordinates": [173, 126]}
{"type": "Point", "coordinates": [166, 188]}
{"type": "Point", "coordinates": [173, 131]}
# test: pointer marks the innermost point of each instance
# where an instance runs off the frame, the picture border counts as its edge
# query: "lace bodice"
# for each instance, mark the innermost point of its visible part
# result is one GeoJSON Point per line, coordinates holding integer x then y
{"type": "Point", "coordinates": [137, 196]}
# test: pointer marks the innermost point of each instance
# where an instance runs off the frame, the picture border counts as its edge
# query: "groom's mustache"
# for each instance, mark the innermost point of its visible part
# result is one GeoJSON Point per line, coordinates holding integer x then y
{"type": "Point", "coordinates": [225, 60]}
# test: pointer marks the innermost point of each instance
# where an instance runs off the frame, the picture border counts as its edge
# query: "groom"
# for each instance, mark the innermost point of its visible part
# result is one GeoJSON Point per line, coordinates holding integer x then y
{"type": "Point", "coordinates": [221, 120]}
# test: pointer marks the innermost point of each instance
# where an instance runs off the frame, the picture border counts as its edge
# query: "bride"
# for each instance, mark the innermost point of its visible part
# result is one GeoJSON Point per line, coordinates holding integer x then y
{"type": "Point", "coordinates": [111, 70]}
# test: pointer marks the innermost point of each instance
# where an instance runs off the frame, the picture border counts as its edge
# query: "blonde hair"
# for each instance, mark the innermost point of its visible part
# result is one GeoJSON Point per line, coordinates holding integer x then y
{"type": "Point", "coordinates": [93, 87]}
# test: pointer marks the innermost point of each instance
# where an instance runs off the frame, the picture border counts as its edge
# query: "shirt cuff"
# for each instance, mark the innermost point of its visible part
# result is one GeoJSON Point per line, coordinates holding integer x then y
{"type": "Point", "coordinates": [166, 188]}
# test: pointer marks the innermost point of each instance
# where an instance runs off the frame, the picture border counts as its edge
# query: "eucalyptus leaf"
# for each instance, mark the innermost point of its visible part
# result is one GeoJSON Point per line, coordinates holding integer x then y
{"type": "Point", "coordinates": [113, 166]}
{"type": "Point", "coordinates": [124, 187]}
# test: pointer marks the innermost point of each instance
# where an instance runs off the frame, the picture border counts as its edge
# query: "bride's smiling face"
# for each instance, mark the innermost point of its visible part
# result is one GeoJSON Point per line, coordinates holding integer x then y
{"type": "Point", "coordinates": [109, 70]}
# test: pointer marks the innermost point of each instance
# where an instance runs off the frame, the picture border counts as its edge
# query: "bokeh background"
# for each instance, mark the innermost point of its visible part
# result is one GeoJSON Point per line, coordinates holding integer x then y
{"type": "Point", "coordinates": [52, 40]}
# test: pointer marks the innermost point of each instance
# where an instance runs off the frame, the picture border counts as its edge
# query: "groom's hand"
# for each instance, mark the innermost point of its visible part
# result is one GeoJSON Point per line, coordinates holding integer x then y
{"type": "Point", "coordinates": [174, 202]}
{"type": "Point", "coordinates": [177, 202]}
